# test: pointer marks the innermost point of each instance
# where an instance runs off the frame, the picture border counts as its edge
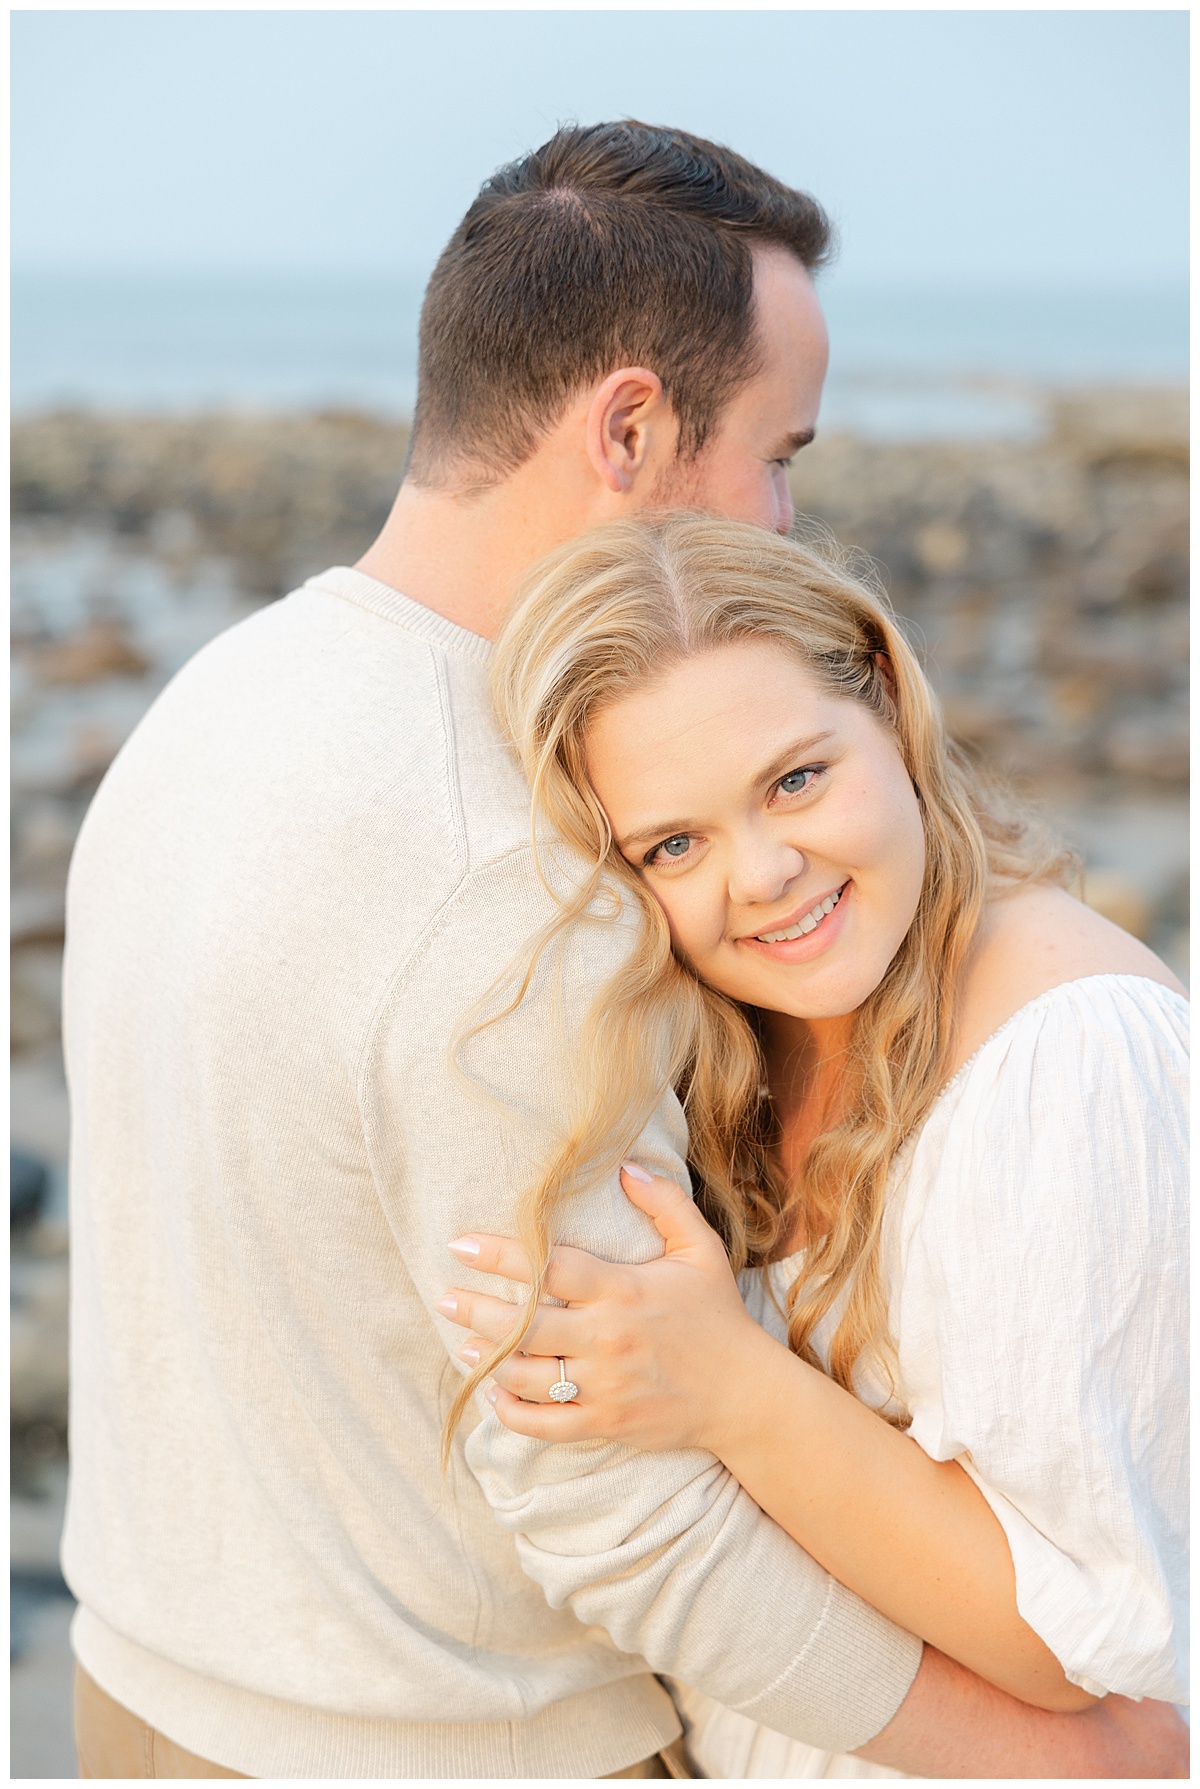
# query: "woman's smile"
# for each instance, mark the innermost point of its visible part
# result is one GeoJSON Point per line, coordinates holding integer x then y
{"type": "Point", "coordinates": [814, 930]}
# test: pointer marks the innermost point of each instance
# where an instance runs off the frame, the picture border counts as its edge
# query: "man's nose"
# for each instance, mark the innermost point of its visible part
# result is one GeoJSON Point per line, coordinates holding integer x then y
{"type": "Point", "coordinates": [785, 509]}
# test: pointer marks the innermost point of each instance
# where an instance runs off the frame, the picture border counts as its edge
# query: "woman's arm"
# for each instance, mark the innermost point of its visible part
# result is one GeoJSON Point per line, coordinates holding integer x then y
{"type": "Point", "coordinates": [913, 1536]}
{"type": "Point", "coordinates": [665, 1355]}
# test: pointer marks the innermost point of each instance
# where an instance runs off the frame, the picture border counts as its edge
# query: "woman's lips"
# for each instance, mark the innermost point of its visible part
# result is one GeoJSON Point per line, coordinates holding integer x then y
{"type": "Point", "coordinates": [809, 944]}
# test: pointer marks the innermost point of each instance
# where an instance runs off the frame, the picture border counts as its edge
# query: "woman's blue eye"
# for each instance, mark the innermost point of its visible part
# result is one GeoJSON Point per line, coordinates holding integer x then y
{"type": "Point", "coordinates": [676, 847]}
{"type": "Point", "coordinates": [795, 781]}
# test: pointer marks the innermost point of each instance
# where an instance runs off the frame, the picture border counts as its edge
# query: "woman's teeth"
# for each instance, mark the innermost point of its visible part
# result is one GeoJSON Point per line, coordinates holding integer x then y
{"type": "Point", "coordinates": [809, 923]}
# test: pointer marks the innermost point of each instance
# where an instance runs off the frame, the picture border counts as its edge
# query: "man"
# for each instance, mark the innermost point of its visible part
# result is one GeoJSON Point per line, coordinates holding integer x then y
{"type": "Point", "coordinates": [307, 864]}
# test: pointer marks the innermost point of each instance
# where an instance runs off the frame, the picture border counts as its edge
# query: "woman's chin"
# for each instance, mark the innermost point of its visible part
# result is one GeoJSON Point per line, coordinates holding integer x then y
{"type": "Point", "coordinates": [831, 994]}
{"type": "Point", "coordinates": [829, 1004]}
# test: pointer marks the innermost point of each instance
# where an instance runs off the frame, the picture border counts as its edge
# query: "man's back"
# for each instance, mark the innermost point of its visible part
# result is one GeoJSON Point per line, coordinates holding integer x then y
{"type": "Point", "coordinates": [257, 1517]}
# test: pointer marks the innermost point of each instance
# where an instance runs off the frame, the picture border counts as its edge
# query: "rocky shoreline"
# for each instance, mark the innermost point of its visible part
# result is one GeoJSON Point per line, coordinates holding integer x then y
{"type": "Point", "coordinates": [1046, 584]}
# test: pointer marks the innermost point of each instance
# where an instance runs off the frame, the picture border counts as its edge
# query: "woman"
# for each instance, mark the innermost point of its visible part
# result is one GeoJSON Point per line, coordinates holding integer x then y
{"type": "Point", "coordinates": [934, 1101]}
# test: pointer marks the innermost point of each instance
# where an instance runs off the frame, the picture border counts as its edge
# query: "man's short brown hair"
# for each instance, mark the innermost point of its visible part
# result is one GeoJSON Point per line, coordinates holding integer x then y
{"type": "Point", "coordinates": [612, 245]}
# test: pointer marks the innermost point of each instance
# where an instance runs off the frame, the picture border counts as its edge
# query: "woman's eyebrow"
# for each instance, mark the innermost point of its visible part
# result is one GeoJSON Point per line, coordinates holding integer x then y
{"type": "Point", "coordinates": [787, 760]}
{"type": "Point", "coordinates": [652, 834]}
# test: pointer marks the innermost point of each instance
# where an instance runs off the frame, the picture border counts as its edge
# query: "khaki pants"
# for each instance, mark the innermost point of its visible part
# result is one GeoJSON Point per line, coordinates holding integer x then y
{"type": "Point", "coordinates": [112, 1742]}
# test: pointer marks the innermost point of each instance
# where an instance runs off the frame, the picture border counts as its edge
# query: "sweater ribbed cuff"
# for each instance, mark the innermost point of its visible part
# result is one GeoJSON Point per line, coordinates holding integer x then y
{"type": "Point", "coordinates": [850, 1644]}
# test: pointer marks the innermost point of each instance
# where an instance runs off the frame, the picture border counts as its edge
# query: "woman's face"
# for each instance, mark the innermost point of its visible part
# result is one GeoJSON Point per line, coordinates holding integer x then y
{"type": "Point", "coordinates": [774, 823]}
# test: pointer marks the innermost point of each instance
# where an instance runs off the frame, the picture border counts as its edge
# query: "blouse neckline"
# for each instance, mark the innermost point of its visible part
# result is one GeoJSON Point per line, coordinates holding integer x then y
{"type": "Point", "coordinates": [964, 1068]}
{"type": "Point", "coordinates": [1020, 1013]}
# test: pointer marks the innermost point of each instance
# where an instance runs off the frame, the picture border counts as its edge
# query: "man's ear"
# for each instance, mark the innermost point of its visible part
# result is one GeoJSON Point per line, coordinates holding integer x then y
{"type": "Point", "coordinates": [627, 414]}
{"type": "Point", "coordinates": [883, 664]}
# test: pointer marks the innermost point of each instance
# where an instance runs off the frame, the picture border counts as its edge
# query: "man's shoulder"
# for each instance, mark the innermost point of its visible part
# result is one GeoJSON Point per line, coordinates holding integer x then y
{"type": "Point", "coordinates": [497, 940]}
{"type": "Point", "coordinates": [430, 676]}
{"type": "Point", "coordinates": [321, 769]}
{"type": "Point", "coordinates": [373, 710]}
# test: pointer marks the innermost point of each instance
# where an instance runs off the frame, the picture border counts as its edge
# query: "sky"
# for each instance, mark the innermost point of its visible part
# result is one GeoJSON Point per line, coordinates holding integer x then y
{"type": "Point", "coordinates": [1004, 149]}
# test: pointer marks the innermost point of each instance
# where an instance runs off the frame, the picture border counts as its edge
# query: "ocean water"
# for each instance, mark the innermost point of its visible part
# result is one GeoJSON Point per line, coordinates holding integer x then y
{"type": "Point", "coordinates": [905, 363]}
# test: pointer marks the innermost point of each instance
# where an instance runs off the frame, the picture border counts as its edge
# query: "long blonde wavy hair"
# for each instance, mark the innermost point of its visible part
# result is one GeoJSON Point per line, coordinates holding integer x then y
{"type": "Point", "coordinates": [596, 619]}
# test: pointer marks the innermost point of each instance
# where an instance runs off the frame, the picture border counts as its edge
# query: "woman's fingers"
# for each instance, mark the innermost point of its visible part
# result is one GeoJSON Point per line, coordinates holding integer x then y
{"type": "Point", "coordinates": [674, 1212]}
{"type": "Point", "coordinates": [542, 1422]}
{"type": "Point", "coordinates": [492, 1317]}
{"type": "Point", "coordinates": [529, 1376]}
{"type": "Point", "coordinates": [493, 1254]}
{"type": "Point", "coordinates": [572, 1274]}
{"type": "Point", "coordinates": [554, 1330]}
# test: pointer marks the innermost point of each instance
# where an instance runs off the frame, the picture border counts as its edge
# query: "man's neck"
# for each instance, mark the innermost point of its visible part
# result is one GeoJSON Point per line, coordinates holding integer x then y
{"type": "Point", "coordinates": [464, 554]}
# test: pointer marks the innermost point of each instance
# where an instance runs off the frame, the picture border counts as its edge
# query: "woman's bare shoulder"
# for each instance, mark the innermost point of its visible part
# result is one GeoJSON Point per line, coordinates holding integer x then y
{"type": "Point", "coordinates": [1035, 938]}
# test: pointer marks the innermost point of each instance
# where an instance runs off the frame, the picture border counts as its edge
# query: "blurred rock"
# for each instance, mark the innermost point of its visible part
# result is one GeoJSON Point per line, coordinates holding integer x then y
{"type": "Point", "coordinates": [1150, 746]}
{"type": "Point", "coordinates": [38, 1346]}
{"type": "Point", "coordinates": [101, 649]}
{"type": "Point", "coordinates": [42, 1742]}
{"type": "Point", "coordinates": [1176, 952]}
{"type": "Point", "coordinates": [1121, 424]}
{"type": "Point", "coordinates": [1046, 582]}
{"type": "Point", "coordinates": [35, 999]}
{"type": "Point", "coordinates": [37, 1517]}
{"type": "Point", "coordinates": [281, 496]}
{"type": "Point", "coordinates": [46, 840]}
{"type": "Point", "coordinates": [35, 914]}
{"type": "Point", "coordinates": [40, 1611]}
{"type": "Point", "coordinates": [940, 547]}
{"type": "Point", "coordinates": [27, 1182]}
{"type": "Point", "coordinates": [1118, 898]}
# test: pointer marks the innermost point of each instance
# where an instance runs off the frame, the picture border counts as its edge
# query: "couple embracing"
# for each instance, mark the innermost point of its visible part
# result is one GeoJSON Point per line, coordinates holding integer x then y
{"type": "Point", "coordinates": [423, 1425]}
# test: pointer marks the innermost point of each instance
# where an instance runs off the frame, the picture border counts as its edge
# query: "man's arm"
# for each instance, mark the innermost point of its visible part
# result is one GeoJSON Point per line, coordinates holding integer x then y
{"type": "Point", "coordinates": [666, 1552]}
{"type": "Point", "coordinates": [952, 1724]}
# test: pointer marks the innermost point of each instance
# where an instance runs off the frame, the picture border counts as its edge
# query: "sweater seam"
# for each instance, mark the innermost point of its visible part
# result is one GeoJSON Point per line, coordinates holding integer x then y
{"type": "Point", "coordinates": [435, 923]}
{"type": "Point", "coordinates": [813, 1640]}
{"type": "Point", "coordinates": [450, 759]}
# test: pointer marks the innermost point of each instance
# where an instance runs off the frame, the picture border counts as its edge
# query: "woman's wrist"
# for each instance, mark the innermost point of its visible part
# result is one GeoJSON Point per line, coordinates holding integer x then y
{"type": "Point", "coordinates": [742, 1398]}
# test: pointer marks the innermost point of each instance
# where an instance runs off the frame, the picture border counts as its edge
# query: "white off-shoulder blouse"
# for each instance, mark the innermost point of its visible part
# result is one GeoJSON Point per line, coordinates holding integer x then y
{"type": "Point", "coordinates": [1036, 1255]}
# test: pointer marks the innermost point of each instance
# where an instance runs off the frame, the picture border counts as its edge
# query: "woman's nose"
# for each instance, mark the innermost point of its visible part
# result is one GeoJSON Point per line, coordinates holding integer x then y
{"type": "Point", "coordinates": [763, 871]}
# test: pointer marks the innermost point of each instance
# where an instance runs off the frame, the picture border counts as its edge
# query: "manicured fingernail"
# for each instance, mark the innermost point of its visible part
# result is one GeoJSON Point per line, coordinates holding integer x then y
{"type": "Point", "coordinates": [465, 1247]}
{"type": "Point", "coordinates": [493, 1395]}
{"type": "Point", "coordinates": [448, 1306]}
{"type": "Point", "coordinates": [636, 1173]}
{"type": "Point", "coordinates": [469, 1354]}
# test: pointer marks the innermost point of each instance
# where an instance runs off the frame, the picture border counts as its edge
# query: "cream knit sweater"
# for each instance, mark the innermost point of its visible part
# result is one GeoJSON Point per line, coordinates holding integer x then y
{"type": "Point", "coordinates": [305, 865]}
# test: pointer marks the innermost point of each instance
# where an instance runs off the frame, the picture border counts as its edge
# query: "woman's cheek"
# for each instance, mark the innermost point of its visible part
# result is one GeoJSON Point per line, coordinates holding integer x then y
{"type": "Point", "coordinates": [894, 856]}
{"type": "Point", "coordinates": [695, 928]}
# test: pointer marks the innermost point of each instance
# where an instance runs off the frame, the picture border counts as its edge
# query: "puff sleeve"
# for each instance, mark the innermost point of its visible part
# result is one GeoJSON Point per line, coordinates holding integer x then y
{"type": "Point", "coordinates": [1041, 1317]}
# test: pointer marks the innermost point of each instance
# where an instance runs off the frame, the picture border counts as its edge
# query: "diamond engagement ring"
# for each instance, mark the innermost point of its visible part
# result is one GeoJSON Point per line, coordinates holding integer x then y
{"type": "Point", "coordinates": [562, 1391]}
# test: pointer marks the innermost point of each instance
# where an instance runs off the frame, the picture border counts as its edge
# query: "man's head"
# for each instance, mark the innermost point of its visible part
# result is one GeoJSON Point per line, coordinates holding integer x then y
{"type": "Point", "coordinates": [645, 288]}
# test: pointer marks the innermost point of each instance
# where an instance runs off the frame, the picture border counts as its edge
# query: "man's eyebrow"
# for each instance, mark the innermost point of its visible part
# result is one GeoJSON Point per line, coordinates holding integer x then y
{"type": "Point", "coordinates": [789, 759]}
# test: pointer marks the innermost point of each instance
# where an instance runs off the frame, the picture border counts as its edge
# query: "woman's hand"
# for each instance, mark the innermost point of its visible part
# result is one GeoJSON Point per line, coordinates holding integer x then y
{"type": "Point", "coordinates": [664, 1354]}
